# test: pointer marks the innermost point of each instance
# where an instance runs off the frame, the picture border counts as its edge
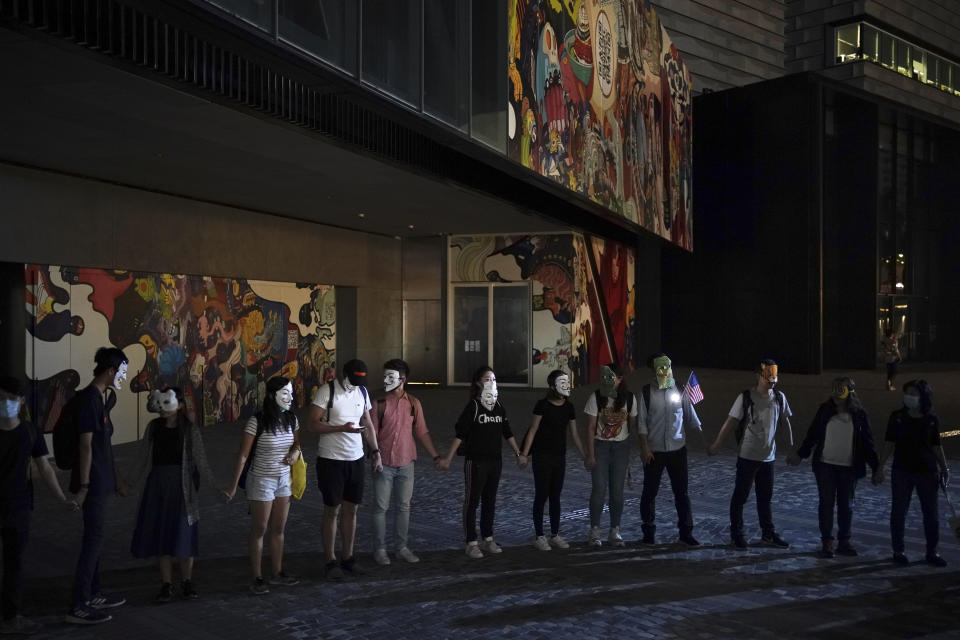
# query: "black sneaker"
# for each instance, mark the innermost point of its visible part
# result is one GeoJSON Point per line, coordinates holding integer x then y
{"type": "Point", "coordinates": [774, 540]}
{"type": "Point", "coordinates": [166, 593]}
{"type": "Point", "coordinates": [846, 549]}
{"type": "Point", "coordinates": [826, 551]}
{"type": "Point", "coordinates": [689, 540]}
{"type": "Point", "coordinates": [188, 591]}
{"type": "Point", "coordinates": [738, 541]}
{"type": "Point", "coordinates": [284, 580]}
{"type": "Point", "coordinates": [86, 615]}
{"type": "Point", "coordinates": [106, 601]}
{"type": "Point", "coordinates": [259, 587]}
{"type": "Point", "coordinates": [350, 566]}
{"type": "Point", "coordinates": [935, 560]}
{"type": "Point", "coordinates": [648, 538]}
{"type": "Point", "coordinates": [332, 571]}
{"type": "Point", "coordinates": [899, 557]}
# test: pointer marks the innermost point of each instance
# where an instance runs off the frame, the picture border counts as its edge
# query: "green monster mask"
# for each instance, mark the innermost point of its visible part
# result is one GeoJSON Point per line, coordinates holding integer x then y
{"type": "Point", "coordinates": [662, 367]}
{"type": "Point", "coordinates": [608, 382]}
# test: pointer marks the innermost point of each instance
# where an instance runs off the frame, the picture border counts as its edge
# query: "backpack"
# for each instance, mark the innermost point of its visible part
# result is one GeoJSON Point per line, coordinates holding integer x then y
{"type": "Point", "coordinates": [65, 434]}
{"type": "Point", "coordinates": [330, 384]}
{"type": "Point", "coordinates": [242, 482]}
{"type": "Point", "coordinates": [748, 412]}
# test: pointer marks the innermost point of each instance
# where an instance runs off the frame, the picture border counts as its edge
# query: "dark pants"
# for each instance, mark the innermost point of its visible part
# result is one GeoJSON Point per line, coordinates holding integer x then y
{"type": "Point", "coordinates": [14, 533]}
{"type": "Point", "coordinates": [481, 479]}
{"type": "Point", "coordinates": [750, 472]}
{"type": "Point", "coordinates": [903, 483]}
{"type": "Point", "coordinates": [835, 484]}
{"type": "Point", "coordinates": [86, 580]}
{"type": "Point", "coordinates": [548, 472]}
{"type": "Point", "coordinates": [675, 462]}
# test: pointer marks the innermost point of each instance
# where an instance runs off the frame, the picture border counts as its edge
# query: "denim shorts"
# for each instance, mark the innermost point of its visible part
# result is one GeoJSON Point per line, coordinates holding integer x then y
{"type": "Point", "coordinates": [266, 488]}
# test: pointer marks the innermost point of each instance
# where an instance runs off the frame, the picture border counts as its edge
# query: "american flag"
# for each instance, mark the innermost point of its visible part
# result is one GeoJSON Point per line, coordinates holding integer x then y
{"type": "Point", "coordinates": [692, 389]}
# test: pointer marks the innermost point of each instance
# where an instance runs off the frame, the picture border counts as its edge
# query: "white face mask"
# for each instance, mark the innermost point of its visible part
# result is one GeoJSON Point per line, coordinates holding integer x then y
{"type": "Point", "coordinates": [284, 397]}
{"type": "Point", "coordinates": [562, 386]}
{"type": "Point", "coordinates": [10, 408]}
{"type": "Point", "coordinates": [121, 376]}
{"type": "Point", "coordinates": [488, 397]}
{"type": "Point", "coordinates": [391, 379]}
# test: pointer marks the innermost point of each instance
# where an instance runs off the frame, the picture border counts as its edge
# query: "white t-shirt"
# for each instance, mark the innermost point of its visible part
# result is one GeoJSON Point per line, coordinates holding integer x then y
{"type": "Point", "coordinates": [838, 441]}
{"type": "Point", "coordinates": [271, 449]}
{"type": "Point", "coordinates": [611, 425]}
{"type": "Point", "coordinates": [761, 429]}
{"type": "Point", "coordinates": [348, 406]}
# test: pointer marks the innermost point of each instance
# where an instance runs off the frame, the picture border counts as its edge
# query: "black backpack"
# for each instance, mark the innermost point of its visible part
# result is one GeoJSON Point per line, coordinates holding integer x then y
{"type": "Point", "coordinates": [629, 404]}
{"type": "Point", "coordinates": [65, 434]}
{"type": "Point", "coordinates": [748, 412]}
{"type": "Point", "coordinates": [242, 482]}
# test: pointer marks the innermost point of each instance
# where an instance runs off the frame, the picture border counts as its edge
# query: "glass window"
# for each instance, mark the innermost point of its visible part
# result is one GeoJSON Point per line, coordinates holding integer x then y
{"type": "Point", "coordinates": [870, 43]}
{"type": "Point", "coordinates": [324, 28]}
{"type": "Point", "coordinates": [488, 117]}
{"type": "Point", "coordinates": [446, 61]}
{"type": "Point", "coordinates": [391, 47]}
{"type": "Point", "coordinates": [886, 50]}
{"type": "Point", "coordinates": [256, 12]}
{"type": "Point", "coordinates": [848, 42]}
{"type": "Point", "coordinates": [919, 62]}
{"type": "Point", "coordinates": [903, 58]}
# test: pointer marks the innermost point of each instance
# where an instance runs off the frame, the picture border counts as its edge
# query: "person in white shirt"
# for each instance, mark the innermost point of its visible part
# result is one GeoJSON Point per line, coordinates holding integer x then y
{"type": "Point", "coordinates": [758, 414]}
{"type": "Point", "coordinates": [341, 415]}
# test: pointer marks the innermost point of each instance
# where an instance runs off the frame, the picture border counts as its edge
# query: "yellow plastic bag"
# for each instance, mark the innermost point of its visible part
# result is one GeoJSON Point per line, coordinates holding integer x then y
{"type": "Point", "coordinates": [298, 476]}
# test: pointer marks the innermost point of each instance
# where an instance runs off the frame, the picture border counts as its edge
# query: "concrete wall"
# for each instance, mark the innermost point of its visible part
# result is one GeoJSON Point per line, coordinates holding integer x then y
{"type": "Point", "coordinates": [726, 44]}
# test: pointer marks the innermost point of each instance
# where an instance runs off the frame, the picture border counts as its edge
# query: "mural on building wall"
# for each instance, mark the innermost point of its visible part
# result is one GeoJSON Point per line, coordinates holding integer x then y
{"type": "Point", "coordinates": [219, 339]}
{"type": "Point", "coordinates": [582, 295]}
{"type": "Point", "coordinates": [599, 101]}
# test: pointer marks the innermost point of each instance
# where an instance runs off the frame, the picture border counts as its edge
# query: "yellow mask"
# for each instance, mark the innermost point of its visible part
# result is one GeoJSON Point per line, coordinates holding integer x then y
{"type": "Point", "coordinates": [769, 372]}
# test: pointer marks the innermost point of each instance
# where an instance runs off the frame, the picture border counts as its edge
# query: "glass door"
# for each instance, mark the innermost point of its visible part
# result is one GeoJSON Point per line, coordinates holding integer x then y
{"type": "Point", "coordinates": [490, 325]}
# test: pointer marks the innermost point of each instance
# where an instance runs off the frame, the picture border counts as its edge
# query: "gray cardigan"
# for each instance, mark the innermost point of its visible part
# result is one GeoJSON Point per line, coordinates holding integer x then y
{"type": "Point", "coordinates": [194, 463]}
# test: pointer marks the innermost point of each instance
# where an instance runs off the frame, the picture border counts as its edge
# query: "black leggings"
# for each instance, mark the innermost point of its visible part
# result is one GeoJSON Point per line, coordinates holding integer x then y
{"type": "Point", "coordinates": [481, 479]}
{"type": "Point", "coordinates": [548, 471]}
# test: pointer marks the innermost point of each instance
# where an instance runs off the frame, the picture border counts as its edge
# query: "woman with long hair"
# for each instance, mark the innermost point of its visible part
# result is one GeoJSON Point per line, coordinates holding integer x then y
{"type": "Point", "coordinates": [174, 459]}
{"type": "Point", "coordinates": [840, 440]}
{"type": "Point", "coordinates": [270, 445]}
{"type": "Point", "coordinates": [611, 415]}
{"type": "Point", "coordinates": [913, 436]}
{"type": "Point", "coordinates": [481, 425]}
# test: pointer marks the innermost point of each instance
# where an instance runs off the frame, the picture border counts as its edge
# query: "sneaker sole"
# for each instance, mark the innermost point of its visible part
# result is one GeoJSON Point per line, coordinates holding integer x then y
{"type": "Point", "coordinates": [69, 619]}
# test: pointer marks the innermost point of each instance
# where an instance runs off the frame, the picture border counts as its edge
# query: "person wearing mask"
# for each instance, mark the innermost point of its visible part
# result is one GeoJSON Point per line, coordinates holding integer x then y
{"type": "Point", "coordinates": [93, 480]}
{"type": "Point", "coordinates": [757, 415]}
{"type": "Point", "coordinates": [611, 416]}
{"type": "Point", "coordinates": [480, 427]}
{"type": "Point", "coordinates": [173, 456]}
{"type": "Point", "coordinates": [664, 418]}
{"type": "Point", "coordinates": [913, 437]}
{"type": "Point", "coordinates": [21, 444]}
{"type": "Point", "coordinates": [841, 443]}
{"type": "Point", "coordinates": [553, 417]}
{"type": "Point", "coordinates": [269, 446]}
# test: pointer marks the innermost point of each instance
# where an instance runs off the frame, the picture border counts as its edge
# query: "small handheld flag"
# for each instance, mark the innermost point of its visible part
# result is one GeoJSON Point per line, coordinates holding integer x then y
{"type": "Point", "coordinates": [692, 389]}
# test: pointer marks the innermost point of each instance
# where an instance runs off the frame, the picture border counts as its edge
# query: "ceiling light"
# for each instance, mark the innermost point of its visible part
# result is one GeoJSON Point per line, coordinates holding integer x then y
{"type": "Point", "coordinates": [361, 215]}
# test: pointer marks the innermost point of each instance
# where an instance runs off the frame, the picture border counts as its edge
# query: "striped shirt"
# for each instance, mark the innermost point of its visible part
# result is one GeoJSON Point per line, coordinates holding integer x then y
{"type": "Point", "coordinates": [271, 449]}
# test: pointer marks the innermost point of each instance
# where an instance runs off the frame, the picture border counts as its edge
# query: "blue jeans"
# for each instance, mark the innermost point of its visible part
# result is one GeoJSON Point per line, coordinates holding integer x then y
{"type": "Point", "coordinates": [836, 485]}
{"type": "Point", "coordinates": [902, 484]}
{"type": "Point", "coordinates": [610, 472]}
{"type": "Point", "coordinates": [86, 580]}
{"type": "Point", "coordinates": [384, 483]}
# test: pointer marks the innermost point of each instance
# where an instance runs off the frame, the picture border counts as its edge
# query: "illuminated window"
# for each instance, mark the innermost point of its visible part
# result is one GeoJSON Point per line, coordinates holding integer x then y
{"type": "Point", "coordinates": [848, 43]}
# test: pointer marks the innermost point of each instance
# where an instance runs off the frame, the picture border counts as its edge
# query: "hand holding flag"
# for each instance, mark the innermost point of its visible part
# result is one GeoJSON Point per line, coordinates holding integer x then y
{"type": "Point", "coordinates": [692, 389]}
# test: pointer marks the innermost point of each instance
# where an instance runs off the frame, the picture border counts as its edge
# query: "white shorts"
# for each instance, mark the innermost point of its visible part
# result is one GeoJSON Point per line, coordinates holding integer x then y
{"type": "Point", "coordinates": [266, 488]}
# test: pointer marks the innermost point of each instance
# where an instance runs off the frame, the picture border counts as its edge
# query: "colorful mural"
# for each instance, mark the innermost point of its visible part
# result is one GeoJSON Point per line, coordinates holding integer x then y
{"type": "Point", "coordinates": [599, 101]}
{"type": "Point", "coordinates": [582, 295]}
{"type": "Point", "coordinates": [219, 339]}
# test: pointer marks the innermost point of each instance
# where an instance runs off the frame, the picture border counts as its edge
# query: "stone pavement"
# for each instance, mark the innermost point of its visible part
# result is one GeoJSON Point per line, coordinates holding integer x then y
{"type": "Point", "coordinates": [662, 591]}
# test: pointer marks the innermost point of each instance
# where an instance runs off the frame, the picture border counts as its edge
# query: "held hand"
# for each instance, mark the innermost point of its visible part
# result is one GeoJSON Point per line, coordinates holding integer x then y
{"type": "Point", "coordinates": [793, 459]}
{"type": "Point", "coordinates": [70, 505]}
{"type": "Point", "coordinates": [589, 463]}
{"type": "Point", "coordinates": [123, 489]}
{"type": "Point", "coordinates": [713, 448]}
{"type": "Point", "coordinates": [443, 464]}
{"type": "Point", "coordinates": [521, 461]}
{"type": "Point", "coordinates": [877, 477]}
{"type": "Point", "coordinates": [646, 455]}
{"type": "Point", "coordinates": [80, 496]}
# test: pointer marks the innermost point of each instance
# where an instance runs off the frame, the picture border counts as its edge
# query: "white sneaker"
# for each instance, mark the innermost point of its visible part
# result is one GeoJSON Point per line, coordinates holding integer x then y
{"type": "Point", "coordinates": [490, 546]}
{"type": "Point", "coordinates": [594, 540]}
{"type": "Point", "coordinates": [381, 557]}
{"type": "Point", "coordinates": [407, 555]}
{"type": "Point", "coordinates": [558, 542]}
{"type": "Point", "coordinates": [614, 538]}
{"type": "Point", "coordinates": [540, 542]}
{"type": "Point", "coordinates": [473, 550]}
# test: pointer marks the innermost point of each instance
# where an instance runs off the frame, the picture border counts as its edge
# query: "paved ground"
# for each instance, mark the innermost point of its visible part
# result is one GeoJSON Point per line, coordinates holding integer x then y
{"type": "Point", "coordinates": [653, 592]}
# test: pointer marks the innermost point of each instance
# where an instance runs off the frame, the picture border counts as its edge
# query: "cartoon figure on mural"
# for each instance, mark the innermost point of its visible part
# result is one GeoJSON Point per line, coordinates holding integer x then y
{"type": "Point", "coordinates": [44, 321]}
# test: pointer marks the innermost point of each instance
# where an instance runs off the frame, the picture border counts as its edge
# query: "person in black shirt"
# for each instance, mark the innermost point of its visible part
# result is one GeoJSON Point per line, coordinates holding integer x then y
{"type": "Point", "coordinates": [479, 428]}
{"type": "Point", "coordinates": [93, 480]}
{"type": "Point", "coordinates": [913, 436]}
{"type": "Point", "coordinates": [20, 442]}
{"type": "Point", "coordinates": [553, 416]}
